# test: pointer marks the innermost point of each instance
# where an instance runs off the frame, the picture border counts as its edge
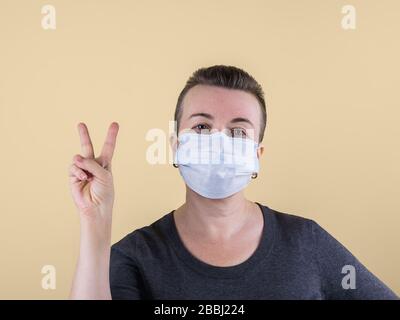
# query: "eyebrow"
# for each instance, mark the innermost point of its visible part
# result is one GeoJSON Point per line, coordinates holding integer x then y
{"type": "Point", "coordinates": [202, 114]}
{"type": "Point", "coordinates": [242, 120]}
{"type": "Point", "coordinates": [209, 116]}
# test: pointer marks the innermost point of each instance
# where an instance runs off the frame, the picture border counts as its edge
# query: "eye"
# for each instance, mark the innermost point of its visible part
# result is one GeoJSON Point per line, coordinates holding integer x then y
{"type": "Point", "coordinates": [202, 128]}
{"type": "Point", "coordinates": [238, 133]}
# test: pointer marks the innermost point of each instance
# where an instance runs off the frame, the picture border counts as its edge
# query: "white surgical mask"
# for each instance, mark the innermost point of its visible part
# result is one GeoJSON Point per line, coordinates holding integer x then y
{"type": "Point", "coordinates": [215, 165]}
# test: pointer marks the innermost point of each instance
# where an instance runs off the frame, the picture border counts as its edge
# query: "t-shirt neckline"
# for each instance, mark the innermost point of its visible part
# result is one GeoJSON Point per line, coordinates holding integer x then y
{"type": "Point", "coordinates": [261, 252]}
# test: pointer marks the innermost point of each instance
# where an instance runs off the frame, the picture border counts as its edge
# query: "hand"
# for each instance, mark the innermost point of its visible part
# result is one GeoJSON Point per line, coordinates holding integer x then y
{"type": "Point", "coordinates": [91, 180]}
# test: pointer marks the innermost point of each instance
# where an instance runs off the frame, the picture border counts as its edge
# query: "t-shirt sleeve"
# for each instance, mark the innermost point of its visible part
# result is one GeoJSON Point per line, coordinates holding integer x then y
{"type": "Point", "coordinates": [125, 280]}
{"type": "Point", "coordinates": [342, 275]}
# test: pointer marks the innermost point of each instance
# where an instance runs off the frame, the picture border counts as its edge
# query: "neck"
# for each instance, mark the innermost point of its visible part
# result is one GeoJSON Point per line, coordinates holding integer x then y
{"type": "Point", "coordinates": [215, 218]}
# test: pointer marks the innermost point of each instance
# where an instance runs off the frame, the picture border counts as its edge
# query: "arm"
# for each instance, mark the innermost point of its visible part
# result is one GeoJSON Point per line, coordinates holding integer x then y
{"type": "Point", "coordinates": [336, 283]}
{"type": "Point", "coordinates": [92, 189]}
{"type": "Point", "coordinates": [91, 280]}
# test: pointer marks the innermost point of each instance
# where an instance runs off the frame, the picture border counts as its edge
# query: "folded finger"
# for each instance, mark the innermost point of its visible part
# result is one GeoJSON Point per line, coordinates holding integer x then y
{"type": "Point", "coordinates": [92, 166]}
{"type": "Point", "coordinates": [74, 171]}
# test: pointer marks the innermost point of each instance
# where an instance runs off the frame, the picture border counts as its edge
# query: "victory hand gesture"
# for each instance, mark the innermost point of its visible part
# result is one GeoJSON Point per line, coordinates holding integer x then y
{"type": "Point", "coordinates": [91, 180]}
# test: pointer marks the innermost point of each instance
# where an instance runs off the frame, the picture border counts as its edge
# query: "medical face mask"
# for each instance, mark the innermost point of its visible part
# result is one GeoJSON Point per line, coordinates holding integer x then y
{"type": "Point", "coordinates": [215, 165]}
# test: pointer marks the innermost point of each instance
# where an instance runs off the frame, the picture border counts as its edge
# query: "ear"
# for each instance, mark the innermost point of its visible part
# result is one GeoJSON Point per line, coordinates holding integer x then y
{"type": "Point", "coordinates": [260, 150]}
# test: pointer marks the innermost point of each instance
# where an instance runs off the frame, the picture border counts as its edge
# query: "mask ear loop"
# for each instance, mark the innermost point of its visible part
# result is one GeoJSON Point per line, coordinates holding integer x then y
{"type": "Point", "coordinates": [174, 164]}
{"type": "Point", "coordinates": [255, 174]}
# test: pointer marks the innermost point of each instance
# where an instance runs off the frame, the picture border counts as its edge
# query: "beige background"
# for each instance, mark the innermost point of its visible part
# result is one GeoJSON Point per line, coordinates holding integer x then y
{"type": "Point", "coordinates": [332, 140]}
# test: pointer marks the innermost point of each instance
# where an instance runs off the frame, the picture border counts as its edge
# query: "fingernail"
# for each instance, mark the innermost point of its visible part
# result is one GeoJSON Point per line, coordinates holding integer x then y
{"type": "Point", "coordinates": [79, 158]}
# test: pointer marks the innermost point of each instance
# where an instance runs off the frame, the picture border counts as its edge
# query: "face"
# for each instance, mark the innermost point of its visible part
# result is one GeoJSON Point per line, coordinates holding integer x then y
{"type": "Point", "coordinates": [210, 108]}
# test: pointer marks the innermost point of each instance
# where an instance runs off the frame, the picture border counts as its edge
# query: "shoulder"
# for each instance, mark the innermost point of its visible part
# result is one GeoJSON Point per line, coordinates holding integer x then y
{"type": "Point", "coordinates": [290, 220]}
{"type": "Point", "coordinates": [291, 226]}
{"type": "Point", "coordinates": [301, 232]}
{"type": "Point", "coordinates": [148, 238]}
{"type": "Point", "coordinates": [305, 234]}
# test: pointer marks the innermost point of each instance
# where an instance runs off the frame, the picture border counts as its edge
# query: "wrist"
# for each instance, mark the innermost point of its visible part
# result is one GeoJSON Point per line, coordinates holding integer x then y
{"type": "Point", "coordinates": [96, 232]}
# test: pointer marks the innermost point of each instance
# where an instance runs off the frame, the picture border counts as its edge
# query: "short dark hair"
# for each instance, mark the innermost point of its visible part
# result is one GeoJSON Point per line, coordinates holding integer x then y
{"type": "Point", "coordinates": [227, 77]}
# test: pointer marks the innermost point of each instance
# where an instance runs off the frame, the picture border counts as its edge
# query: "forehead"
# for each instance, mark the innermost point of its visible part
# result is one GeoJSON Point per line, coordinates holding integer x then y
{"type": "Point", "coordinates": [220, 102]}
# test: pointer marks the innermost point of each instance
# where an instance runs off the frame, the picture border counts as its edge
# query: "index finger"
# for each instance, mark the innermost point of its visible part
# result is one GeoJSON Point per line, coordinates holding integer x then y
{"type": "Point", "coordinates": [86, 143]}
{"type": "Point", "coordinates": [109, 144]}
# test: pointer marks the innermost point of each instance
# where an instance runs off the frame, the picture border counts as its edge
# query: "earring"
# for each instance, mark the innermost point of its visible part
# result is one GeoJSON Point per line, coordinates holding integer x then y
{"type": "Point", "coordinates": [254, 175]}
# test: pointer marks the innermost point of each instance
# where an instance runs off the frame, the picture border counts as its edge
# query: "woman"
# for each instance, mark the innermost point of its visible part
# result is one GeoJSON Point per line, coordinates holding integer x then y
{"type": "Point", "coordinates": [218, 244]}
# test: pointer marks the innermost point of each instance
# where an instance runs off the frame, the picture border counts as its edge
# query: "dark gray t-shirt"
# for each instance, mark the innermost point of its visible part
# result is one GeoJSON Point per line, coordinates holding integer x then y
{"type": "Point", "coordinates": [295, 259]}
